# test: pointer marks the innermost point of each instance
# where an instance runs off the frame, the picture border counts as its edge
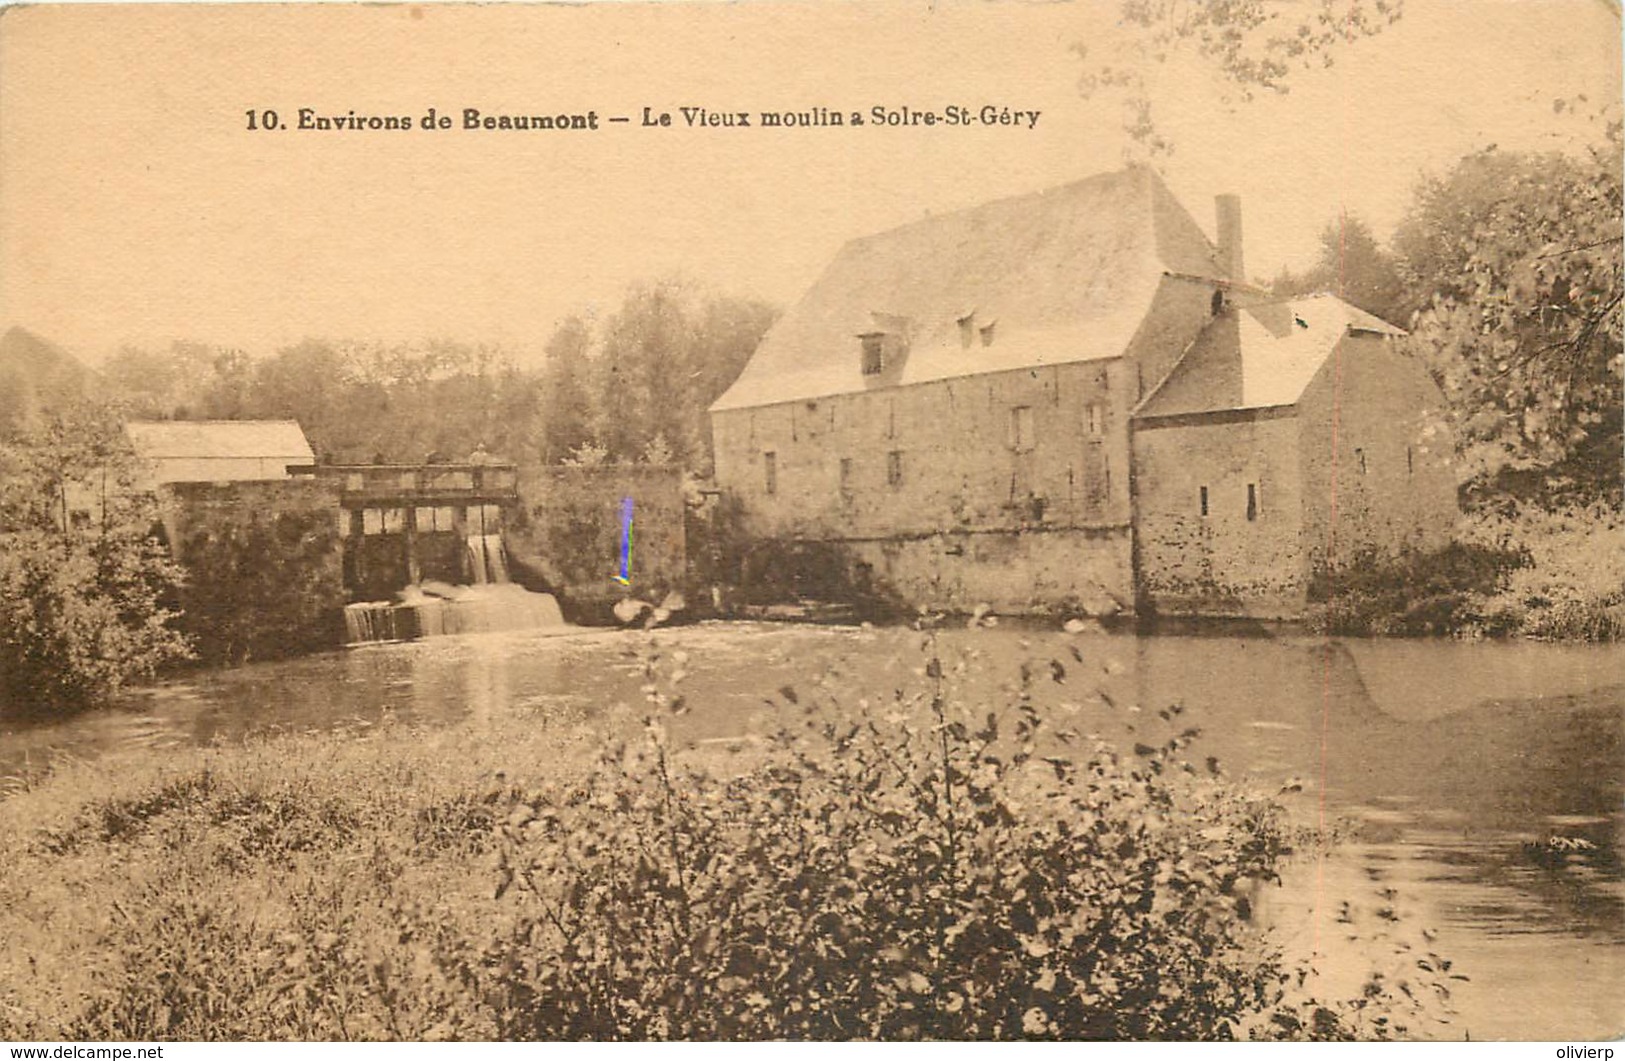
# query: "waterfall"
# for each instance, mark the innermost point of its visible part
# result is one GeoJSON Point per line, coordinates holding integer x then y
{"type": "Point", "coordinates": [486, 559]}
{"type": "Point", "coordinates": [375, 621]}
{"type": "Point", "coordinates": [433, 609]}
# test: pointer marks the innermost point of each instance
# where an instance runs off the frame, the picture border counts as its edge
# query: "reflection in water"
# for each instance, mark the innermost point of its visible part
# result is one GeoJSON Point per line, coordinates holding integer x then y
{"type": "Point", "coordinates": [1483, 781]}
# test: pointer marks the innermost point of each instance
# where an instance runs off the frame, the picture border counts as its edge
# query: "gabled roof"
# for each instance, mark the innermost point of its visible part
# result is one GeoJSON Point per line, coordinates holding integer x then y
{"type": "Point", "coordinates": [1063, 275]}
{"type": "Point", "coordinates": [1259, 356]}
{"type": "Point", "coordinates": [158, 439]}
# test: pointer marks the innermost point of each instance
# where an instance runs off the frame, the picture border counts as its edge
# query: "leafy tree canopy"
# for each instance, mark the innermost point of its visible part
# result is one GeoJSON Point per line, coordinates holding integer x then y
{"type": "Point", "coordinates": [1354, 266]}
{"type": "Point", "coordinates": [1250, 46]}
{"type": "Point", "coordinates": [1517, 258]}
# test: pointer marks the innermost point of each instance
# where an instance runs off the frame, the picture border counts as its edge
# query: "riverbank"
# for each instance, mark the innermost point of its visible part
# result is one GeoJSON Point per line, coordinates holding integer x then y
{"type": "Point", "coordinates": [1539, 574]}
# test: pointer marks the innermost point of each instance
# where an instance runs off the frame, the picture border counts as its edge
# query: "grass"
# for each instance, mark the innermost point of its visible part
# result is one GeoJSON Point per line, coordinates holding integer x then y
{"type": "Point", "coordinates": [257, 891]}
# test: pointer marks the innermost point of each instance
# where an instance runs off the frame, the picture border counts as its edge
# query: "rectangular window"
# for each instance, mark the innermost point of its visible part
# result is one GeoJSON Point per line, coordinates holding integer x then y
{"type": "Point", "coordinates": [1096, 417]}
{"type": "Point", "coordinates": [873, 354]}
{"type": "Point", "coordinates": [894, 468]}
{"type": "Point", "coordinates": [1410, 463]}
{"type": "Point", "coordinates": [394, 520]}
{"type": "Point", "coordinates": [1021, 428]}
{"type": "Point", "coordinates": [438, 518]}
{"type": "Point", "coordinates": [1252, 501]}
{"type": "Point", "coordinates": [770, 472]}
{"type": "Point", "coordinates": [846, 478]}
{"type": "Point", "coordinates": [1204, 500]}
{"type": "Point", "coordinates": [1360, 453]}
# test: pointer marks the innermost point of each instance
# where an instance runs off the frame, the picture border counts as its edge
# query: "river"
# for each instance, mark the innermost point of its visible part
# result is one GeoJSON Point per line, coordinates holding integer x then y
{"type": "Point", "coordinates": [1481, 781]}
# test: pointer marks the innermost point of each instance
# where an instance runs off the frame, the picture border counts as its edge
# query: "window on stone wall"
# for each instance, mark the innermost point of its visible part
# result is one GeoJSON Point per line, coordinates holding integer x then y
{"type": "Point", "coordinates": [846, 478]}
{"type": "Point", "coordinates": [1252, 501]}
{"type": "Point", "coordinates": [1021, 428]}
{"type": "Point", "coordinates": [874, 358]}
{"type": "Point", "coordinates": [1203, 496]}
{"type": "Point", "coordinates": [1359, 455]}
{"type": "Point", "coordinates": [1095, 416]}
{"type": "Point", "coordinates": [1096, 476]}
{"type": "Point", "coordinates": [770, 473]}
{"type": "Point", "coordinates": [1410, 462]}
{"type": "Point", "coordinates": [894, 468]}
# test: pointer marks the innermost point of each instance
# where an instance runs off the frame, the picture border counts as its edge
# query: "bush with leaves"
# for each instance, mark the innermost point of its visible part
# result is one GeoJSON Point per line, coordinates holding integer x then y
{"type": "Point", "coordinates": [82, 581]}
{"type": "Point", "coordinates": [928, 865]}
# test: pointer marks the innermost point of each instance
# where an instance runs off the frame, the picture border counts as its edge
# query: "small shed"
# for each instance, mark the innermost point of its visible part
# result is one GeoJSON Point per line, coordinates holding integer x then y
{"type": "Point", "coordinates": [218, 451]}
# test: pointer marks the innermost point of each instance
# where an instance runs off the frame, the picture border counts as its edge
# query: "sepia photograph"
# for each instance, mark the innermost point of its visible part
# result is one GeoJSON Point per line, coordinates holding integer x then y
{"type": "Point", "coordinates": [812, 521]}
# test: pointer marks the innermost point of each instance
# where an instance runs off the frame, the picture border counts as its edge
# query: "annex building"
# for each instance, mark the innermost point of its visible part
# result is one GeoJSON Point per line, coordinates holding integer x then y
{"type": "Point", "coordinates": [1072, 399]}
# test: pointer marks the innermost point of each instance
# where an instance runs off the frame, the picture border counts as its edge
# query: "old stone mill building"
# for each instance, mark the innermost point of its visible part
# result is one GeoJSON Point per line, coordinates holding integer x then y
{"type": "Point", "coordinates": [1073, 399]}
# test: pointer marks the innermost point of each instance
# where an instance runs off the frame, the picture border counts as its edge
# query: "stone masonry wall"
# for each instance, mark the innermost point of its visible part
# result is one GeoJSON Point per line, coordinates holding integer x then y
{"type": "Point", "coordinates": [1221, 562]}
{"type": "Point", "coordinates": [568, 530]}
{"type": "Point", "coordinates": [1033, 571]}
{"type": "Point", "coordinates": [1383, 479]}
{"type": "Point", "coordinates": [264, 565]}
{"type": "Point", "coordinates": [948, 455]}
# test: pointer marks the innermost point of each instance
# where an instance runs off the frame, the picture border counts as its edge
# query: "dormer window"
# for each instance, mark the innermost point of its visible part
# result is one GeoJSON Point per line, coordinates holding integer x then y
{"type": "Point", "coordinates": [986, 331]}
{"type": "Point", "coordinates": [874, 355]}
{"type": "Point", "coordinates": [967, 330]}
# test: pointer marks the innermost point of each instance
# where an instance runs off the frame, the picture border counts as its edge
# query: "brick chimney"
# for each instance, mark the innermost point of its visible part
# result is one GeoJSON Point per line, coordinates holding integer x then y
{"type": "Point", "coordinates": [1228, 208]}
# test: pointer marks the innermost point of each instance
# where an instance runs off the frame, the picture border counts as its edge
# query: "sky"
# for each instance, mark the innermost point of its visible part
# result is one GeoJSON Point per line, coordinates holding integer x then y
{"type": "Point", "coordinates": [136, 207]}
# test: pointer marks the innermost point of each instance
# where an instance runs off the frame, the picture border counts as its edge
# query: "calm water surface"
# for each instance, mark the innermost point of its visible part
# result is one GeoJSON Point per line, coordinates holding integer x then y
{"type": "Point", "coordinates": [1449, 767]}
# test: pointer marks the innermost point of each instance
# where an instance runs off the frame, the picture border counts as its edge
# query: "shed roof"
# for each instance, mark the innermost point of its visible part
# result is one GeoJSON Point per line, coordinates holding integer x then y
{"type": "Point", "coordinates": [158, 439]}
{"type": "Point", "coordinates": [1063, 275]}
{"type": "Point", "coordinates": [1262, 355]}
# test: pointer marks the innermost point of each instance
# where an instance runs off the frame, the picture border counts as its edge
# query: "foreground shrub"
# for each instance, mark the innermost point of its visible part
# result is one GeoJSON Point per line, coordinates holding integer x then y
{"type": "Point", "coordinates": [926, 866]}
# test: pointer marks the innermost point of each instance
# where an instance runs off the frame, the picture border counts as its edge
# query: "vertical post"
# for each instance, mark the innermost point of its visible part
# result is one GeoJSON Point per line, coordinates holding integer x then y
{"type": "Point", "coordinates": [409, 522]}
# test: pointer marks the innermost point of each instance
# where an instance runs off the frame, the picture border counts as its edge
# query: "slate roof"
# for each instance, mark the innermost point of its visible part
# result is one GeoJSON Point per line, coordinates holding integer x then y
{"type": "Point", "coordinates": [158, 439]}
{"type": "Point", "coordinates": [1063, 275]}
{"type": "Point", "coordinates": [1260, 356]}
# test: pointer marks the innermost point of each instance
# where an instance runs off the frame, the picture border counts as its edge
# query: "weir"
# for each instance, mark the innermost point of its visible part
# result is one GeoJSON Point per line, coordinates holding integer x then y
{"type": "Point", "coordinates": [437, 610]}
{"type": "Point", "coordinates": [423, 551]}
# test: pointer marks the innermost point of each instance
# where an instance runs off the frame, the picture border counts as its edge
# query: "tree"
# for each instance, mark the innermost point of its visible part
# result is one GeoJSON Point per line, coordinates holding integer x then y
{"type": "Point", "coordinates": [567, 414]}
{"type": "Point", "coordinates": [82, 579]}
{"type": "Point", "coordinates": [1520, 258]}
{"type": "Point", "coordinates": [1248, 45]}
{"type": "Point", "coordinates": [643, 384]}
{"type": "Point", "coordinates": [189, 380]}
{"type": "Point", "coordinates": [1356, 268]}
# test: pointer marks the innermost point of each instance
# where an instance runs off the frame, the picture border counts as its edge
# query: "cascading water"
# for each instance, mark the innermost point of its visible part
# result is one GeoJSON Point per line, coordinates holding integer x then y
{"type": "Point", "coordinates": [374, 621]}
{"type": "Point", "coordinates": [487, 560]}
{"type": "Point", "coordinates": [432, 609]}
